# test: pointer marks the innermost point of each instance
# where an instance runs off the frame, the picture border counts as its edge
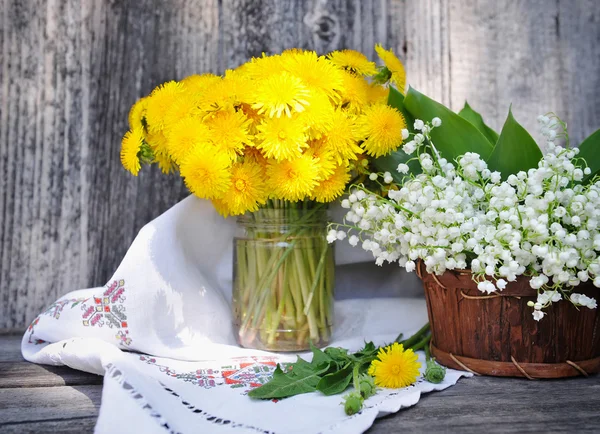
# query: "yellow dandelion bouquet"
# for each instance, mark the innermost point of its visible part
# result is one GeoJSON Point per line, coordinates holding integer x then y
{"type": "Point", "coordinates": [272, 141]}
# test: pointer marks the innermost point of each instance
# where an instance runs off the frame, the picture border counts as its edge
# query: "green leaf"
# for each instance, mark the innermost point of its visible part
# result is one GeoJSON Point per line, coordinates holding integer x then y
{"type": "Point", "coordinates": [456, 136]}
{"type": "Point", "coordinates": [336, 382]}
{"type": "Point", "coordinates": [515, 150]}
{"type": "Point", "coordinates": [589, 150]}
{"type": "Point", "coordinates": [319, 357]}
{"type": "Point", "coordinates": [475, 118]}
{"type": "Point", "coordinates": [337, 354]}
{"type": "Point", "coordinates": [303, 378]}
{"type": "Point", "coordinates": [396, 100]}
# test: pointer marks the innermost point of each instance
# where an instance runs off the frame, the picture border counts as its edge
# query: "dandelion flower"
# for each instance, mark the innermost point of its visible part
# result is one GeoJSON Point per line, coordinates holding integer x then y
{"type": "Point", "coordinates": [319, 149]}
{"type": "Point", "coordinates": [206, 172]}
{"type": "Point", "coordinates": [185, 106]}
{"type": "Point", "coordinates": [229, 131]}
{"type": "Point", "coordinates": [281, 138]}
{"type": "Point", "coordinates": [355, 94]}
{"type": "Point", "coordinates": [158, 142]}
{"type": "Point", "coordinates": [353, 61]}
{"type": "Point", "coordinates": [131, 145]}
{"type": "Point", "coordinates": [164, 162]}
{"type": "Point", "coordinates": [137, 113]}
{"type": "Point", "coordinates": [195, 84]}
{"type": "Point", "coordinates": [159, 102]}
{"type": "Point", "coordinates": [395, 367]}
{"type": "Point", "coordinates": [318, 115]}
{"type": "Point", "coordinates": [317, 73]}
{"type": "Point", "coordinates": [280, 93]}
{"type": "Point", "coordinates": [293, 180]}
{"type": "Point", "coordinates": [253, 116]}
{"type": "Point", "coordinates": [260, 68]}
{"type": "Point", "coordinates": [394, 65]}
{"type": "Point", "coordinates": [380, 128]}
{"type": "Point", "coordinates": [377, 94]}
{"type": "Point", "coordinates": [247, 190]}
{"type": "Point", "coordinates": [221, 207]}
{"type": "Point", "coordinates": [186, 134]}
{"type": "Point", "coordinates": [341, 138]}
{"type": "Point", "coordinates": [332, 187]}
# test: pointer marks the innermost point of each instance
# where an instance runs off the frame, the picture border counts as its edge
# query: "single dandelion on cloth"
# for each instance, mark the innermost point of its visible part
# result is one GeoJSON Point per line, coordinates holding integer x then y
{"type": "Point", "coordinates": [395, 367]}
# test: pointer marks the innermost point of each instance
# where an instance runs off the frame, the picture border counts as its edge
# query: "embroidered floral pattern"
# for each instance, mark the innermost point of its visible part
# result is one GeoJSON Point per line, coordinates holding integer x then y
{"type": "Point", "coordinates": [108, 310]}
{"type": "Point", "coordinates": [54, 311]}
{"type": "Point", "coordinates": [244, 372]}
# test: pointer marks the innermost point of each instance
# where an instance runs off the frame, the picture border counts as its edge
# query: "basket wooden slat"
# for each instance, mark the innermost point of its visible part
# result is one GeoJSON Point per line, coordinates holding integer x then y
{"type": "Point", "coordinates": [498, 335]}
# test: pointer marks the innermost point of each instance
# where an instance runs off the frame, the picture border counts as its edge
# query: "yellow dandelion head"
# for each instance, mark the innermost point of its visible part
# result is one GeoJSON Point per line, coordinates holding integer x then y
{"type": "Point", "coordinates": [186, 134]}
{"type": "Point", "coordinates": [247, 190]}
{"type": "Point", "coordinates": [280, 93]}
{"type": "Point", "coordinates": [377, 94]}
{"type": "Point", "coordinates": [131, 145]}
{"type": "Point", "coordinates": [355, 94]}
{"type": "Point", "coordinates": [137, 113]}
{"type": "Point", "coordinates": [332, 187]}
{"type": "Point", "coordinates": [221, 207]}
{"type": "Point", "coordinates": [253, 116]}
{"type": "Point", "coordinates": [395, 367]}
{"type": "Point", "coordinates": [318, 149]}
{"type": "Point", "coordinates": [263, 67]}
{"type": "Point", "coordinates": [394, 65]}
{"type": "Point", "coordinates": [159, 102]}
{"type": "Point", "coordinates": [216, 97]}
{"type": "Point", "coordinates": [206, 172]}
{"type": "Point", "coordinates": [380, 128]}
{"type": "Point", "coordinates": [184, 106]}
{"type": "Point", "coordinates": [353, 61]}
{"type": "Point", "coordinates": [341, 138]}
{"type": "Point", "coordinates": [164, 162]}
{"type": "Point", "coordinates": [158, 142]}
{"type": "Point", "coordinates": [318, 115]}
{"type": "Point", "coordinates": [229, 131]}
{"type": "Point", "coordinates": [196, 84]}
{"type": "Point", "coordinates": [240, 86]}
{"type": "Point", "coordinates": [293, 180]}
{"type": "Point", "coordinates": [317, 73]}
{"type": "Point", "coordinates": [281, 138]}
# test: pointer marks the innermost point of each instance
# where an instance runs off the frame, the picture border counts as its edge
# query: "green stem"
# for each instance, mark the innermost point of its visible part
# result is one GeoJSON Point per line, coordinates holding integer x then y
{"type": "Point", "coordinates": [416, 337]}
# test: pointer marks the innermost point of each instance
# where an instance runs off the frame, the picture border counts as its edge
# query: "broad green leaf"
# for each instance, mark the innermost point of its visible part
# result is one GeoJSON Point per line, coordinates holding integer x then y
{"type": "Point", "coordinates": [456, 136]}
{"type": "Point", "coordinates": [396, 100]}
{"type": "Point", "coordinates": [301, 379]}
{"type": "Point", "coordinates": [336, 382]}
{"type": "Point", "coordinates": [515, 150]}
{"type": "Point", "coordinates": [589, 150]}
{"type": "Point", "coordinates": [475, 118]}
{"type": "Point", "coordinates": [319, 356]}
{"type": "Point", "coordinates": [389, 163]}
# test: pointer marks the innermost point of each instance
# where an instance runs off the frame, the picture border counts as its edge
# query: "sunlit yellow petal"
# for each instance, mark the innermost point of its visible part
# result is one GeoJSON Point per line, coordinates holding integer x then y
{"type": "Point", "coordinates": [395, 367]}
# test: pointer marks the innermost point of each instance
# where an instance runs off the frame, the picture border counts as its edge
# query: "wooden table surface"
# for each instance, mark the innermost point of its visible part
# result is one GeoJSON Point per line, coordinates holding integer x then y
{"type": "Point", "coordinates": [36, 399]}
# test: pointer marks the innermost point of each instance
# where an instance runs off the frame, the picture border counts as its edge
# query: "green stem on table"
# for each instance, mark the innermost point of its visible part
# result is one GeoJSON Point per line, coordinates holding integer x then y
{"type": "Point", "coordinates": [416, 337]}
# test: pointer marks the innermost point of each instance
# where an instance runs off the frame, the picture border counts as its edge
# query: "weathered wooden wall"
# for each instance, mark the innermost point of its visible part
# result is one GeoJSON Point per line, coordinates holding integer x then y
{"type": "Point", "coordinates": [70, 69]}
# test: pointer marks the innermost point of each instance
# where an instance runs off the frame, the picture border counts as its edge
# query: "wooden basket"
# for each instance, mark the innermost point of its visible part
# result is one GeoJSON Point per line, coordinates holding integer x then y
{"type": "Point", "coordinates": [497, 335]}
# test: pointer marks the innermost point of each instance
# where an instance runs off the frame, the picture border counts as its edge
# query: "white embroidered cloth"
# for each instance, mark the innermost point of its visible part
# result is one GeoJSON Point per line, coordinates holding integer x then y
{"type": "Point", "coordinates": [160, 332]}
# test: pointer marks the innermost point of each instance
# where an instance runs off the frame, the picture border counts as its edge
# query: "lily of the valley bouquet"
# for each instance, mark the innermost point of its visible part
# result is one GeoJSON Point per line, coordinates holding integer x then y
{"type": "Point", "coordinates": [273, 141]}
{"type": "Point", "coordinates": [460, 196]}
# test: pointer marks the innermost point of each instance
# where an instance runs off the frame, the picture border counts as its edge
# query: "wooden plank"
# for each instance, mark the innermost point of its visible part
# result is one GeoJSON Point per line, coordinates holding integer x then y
{"type": "Point", "coordinates": [502, 406]}
{"type": "Point", "coordinates": [25, 374]}
{"type": "Point", "coordinates": [48, 403]}
{"type": "Point", "coordinates": [76, 425]}
{"type": "Point", "coordinates": [10, 348]}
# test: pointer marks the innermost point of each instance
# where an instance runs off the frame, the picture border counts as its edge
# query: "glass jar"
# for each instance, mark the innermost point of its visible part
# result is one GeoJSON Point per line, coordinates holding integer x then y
{"type": "Point", "coordinates": [283, 279]}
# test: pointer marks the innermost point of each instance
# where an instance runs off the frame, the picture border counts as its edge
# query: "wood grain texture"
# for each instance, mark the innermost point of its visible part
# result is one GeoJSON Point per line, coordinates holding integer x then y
{"type": "Point", "coordinates": [25, 374]}
{"type": "Point", "coordinates": [70, 70]}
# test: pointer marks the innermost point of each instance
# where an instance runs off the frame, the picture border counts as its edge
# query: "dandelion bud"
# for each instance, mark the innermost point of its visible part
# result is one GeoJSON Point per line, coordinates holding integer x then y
{"type": "Point", "coordinates": [367, 386]}
{"type": "Point", "coordinates": [353, 403]}
{"type": "Point", "coordinates": [434, 373]}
